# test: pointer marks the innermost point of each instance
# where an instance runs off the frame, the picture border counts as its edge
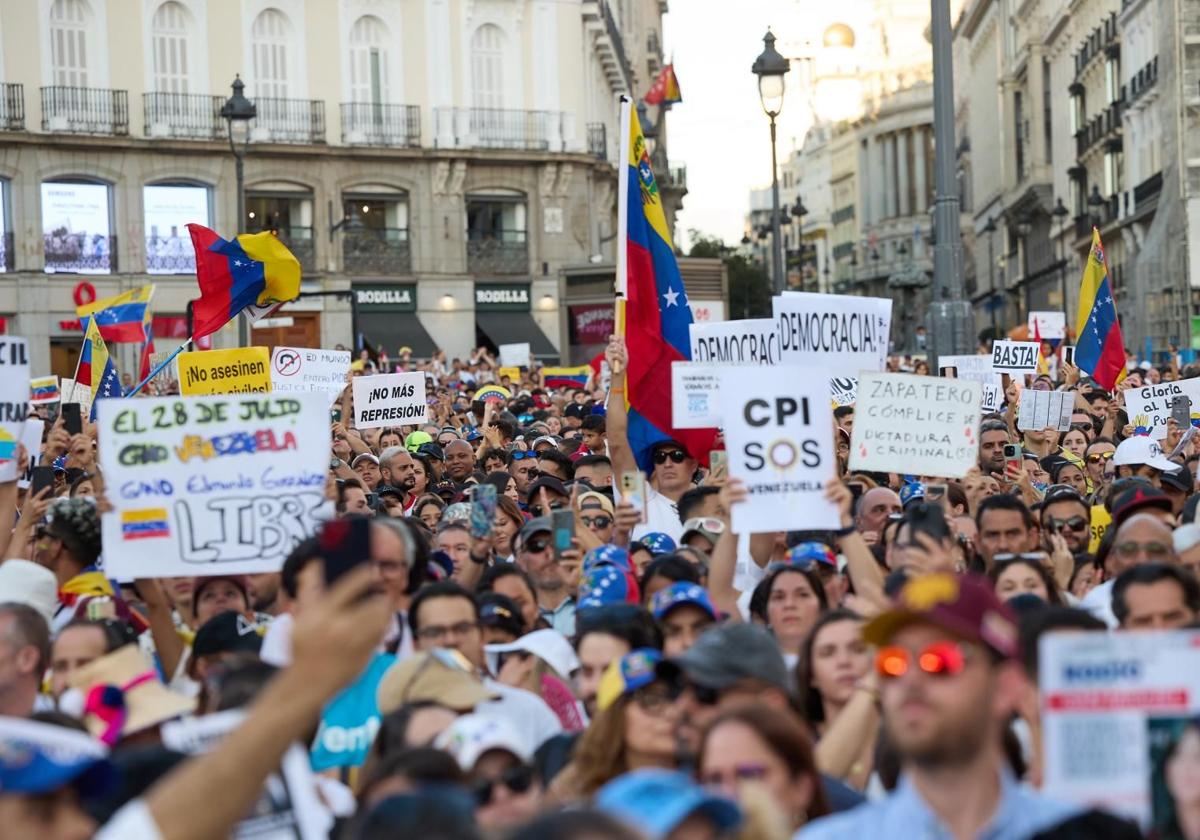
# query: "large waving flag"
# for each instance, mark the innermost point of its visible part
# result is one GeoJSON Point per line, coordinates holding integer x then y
{"type": "Point", "coordinates": [656, 317]}
{"type": "Point", "coordinates": [253, 268]}
{"type": "Point", "coordinates": [1099, 349]}
{"type": "Point", "coordinates": [122, 317]}
{"type": "Point", "coordinates": [566, 377]}
{"type": "Point", "coordinates": [665, 90]}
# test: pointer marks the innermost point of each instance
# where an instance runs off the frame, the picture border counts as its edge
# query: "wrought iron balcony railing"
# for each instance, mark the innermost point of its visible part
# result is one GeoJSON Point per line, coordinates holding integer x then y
{"type": "Point", "coordinates": [85, 110]}
{"type": "Point", "coordinates": [79, 253]}
{"type": "Point", "coordinates": [190, 116]}
{"type": "Point", "coordinates": [376, 251]}
{"type": "Point", "coordinates": [379, 124]}
{"type": "Point", "coordinates": [509, 255]}
{"type": "Point", "coordinates": [12, 107]}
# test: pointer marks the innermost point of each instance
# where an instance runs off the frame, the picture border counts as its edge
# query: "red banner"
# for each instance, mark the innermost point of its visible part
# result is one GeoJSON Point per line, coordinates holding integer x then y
{"type": "Point", "coordinates": [591, 323]}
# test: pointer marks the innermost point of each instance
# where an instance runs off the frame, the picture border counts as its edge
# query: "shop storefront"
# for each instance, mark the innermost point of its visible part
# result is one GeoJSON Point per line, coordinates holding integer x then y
{"type": "Point", "coordinates": [386, 318]}
{"type": "Point", "coordinates": [503, 315]}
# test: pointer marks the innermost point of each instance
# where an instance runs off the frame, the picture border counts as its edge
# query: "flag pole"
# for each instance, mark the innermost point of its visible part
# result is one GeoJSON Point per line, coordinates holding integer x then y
{"type": "Point", "coordinates": [158, 369]}
{"type": "Point", "coordinates": [621, 284]}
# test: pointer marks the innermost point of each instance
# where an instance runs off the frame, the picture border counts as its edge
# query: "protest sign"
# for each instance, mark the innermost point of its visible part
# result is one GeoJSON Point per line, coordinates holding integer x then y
{"type": "Point", "coordinates": [695, 396]}
{"type": "Point", "coordinates": [31, 439]}
{"type": "Point", "coordinates": [513, 373]}
{"type": "Point", "coordinates": [746, 342]}
{"type": "Point", "coordinates": [1044, 410]}
{"type": "Point", "coordinates": [843, 391]}
{"type": "Point", "coordinates": [915, 424]}
{"type": "Point", "coordinates": [240, 370]}
{"type": "Point", "coordinates": [389, 399]}
{"type": "Point", "coordinates": [171, 371]}
{"type": "Point", "coordinates": [44, 390]}
{"type": "Point", "coordinates": [221, 484]}
{"type": "Point", "coordinates": [1113, 706]}
{"type": "Point", "coordinates": [14, 402]}
{"type": "Point", "coordinates": [81, 392]}
{"type": "Point", "coordinates": [287, 806]}
{"type": "Point", "coordinates": [1047, 325]}
{"type": "Point", "coordinates": [991, 398]}
{"type": "Point", "coordinates": [298, 370]}
{"type": "Point", "coordinates": [779, 436]}
{"type": "Point", "coordinates": [841, 333]}
{"type": "Point", "coordinates": [1015, 356]}
{"type": "Point", "coordinates": [514, 355]}
{"type": "Point", "coordinates": [1149, 407]}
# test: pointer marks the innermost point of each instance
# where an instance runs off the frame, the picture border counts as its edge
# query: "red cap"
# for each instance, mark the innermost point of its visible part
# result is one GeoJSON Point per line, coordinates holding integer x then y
{"type": "Point", "coordinates": [964, 605]}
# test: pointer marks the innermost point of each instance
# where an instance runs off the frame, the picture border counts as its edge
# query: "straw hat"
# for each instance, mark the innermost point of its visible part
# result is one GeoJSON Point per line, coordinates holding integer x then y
{"type": "Point", "coordinates": [122, 695]}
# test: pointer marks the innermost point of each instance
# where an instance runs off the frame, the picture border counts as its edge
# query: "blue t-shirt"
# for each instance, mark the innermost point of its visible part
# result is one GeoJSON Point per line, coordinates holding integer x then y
{"type": "Point", "coordinates": [350, 721]}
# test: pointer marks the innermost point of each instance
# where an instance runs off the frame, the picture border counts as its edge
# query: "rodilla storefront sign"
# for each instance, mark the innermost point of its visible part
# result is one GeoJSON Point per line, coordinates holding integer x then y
{"type": "Point", "coordinates": [502, 297]}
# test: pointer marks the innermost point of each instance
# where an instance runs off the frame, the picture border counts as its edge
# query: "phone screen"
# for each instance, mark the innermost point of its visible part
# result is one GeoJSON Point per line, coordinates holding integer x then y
{"type": "Point", "coordinates": [483, 510]}
{"type": "Point", "coordinates": [344, 544]}
{"type": "Point", "coordinates": [42, 477]}
{"type": "Point", "coordinates": [563, 523]}
{"type": "Point", "coordinates": [72, 418]}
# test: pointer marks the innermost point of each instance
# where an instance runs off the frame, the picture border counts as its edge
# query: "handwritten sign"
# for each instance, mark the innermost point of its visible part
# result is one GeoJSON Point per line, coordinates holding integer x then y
{"type": "Point", "coordinates": [991, 398]}
{"type": "Point", "coordinates": [1149, 408]}
{"type": "Point", "coordinates": [1047, 325]}
{"type": "Point", "coordinates": [31, 439]}
{"type": "Point", "coordinates": [300, 370]}
{"type": "Point", "coordinates": [915, 424]}
{"type": "Point", "coordinates": [779, 436]}
{"type": "Point", "coordinates": [14, 402]}
{"type": "Point", "coordinates": [240, 370]}
{"type": "Point", "coordinates": [389, 399]}
{"type": "Point", "coordinates": [1045, 410]}
{"type": "Point", "coordinates": [514, 355]}
{"type": "Point", "coordinates": [842, 333]}
{"type": "Point", "coordinates": [222, 484]}
{"type": "Point", "coordinates": [513, 374]}
{"type": "Point", "coordinates": [1015, 356]}
{"type": "Point", "coordinates": [695, 395]}
{"type": "Point", "coordinates": [746, 342]}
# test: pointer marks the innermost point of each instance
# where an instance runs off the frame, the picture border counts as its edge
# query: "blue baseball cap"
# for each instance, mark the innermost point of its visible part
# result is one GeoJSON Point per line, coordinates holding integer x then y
{"type": "Point", "coordinates": [606, 555]}
{"type": "Point", "coordinates": [636, 669]}
{"type": "Point", "coordinates": [806, 555]}
{"type": "Point", "coordinates": [656, 802]}
{"type": "Point", "coordinates": [911, 491]}
{"type": "Point", "coordinates": [679, 594]}
{"type": "Point", "coordinates": [604, 585]}
{"type": "Point", "coordinates": [38, 758]}
{"type": "Point", "coordinates": [656, 542]}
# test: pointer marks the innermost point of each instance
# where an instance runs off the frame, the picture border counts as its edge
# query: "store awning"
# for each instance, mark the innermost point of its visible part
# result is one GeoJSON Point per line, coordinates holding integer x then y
{"type": "Point", "coordinates": [393, 330]}
{"type": "Point", "coordinates": [515, 328]}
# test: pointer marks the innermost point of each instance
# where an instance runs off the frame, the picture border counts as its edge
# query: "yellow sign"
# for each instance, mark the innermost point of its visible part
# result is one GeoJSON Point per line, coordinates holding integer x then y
{"type": "Point", "coordinates": [1101, 519]}
{"type": "Point", "coordinates": [242, 370]}
{"type": "Point", "coordinates": [513, 374]}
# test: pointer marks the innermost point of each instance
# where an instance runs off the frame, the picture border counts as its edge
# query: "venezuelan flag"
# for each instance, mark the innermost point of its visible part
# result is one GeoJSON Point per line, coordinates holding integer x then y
{"type": "Point", "coordinates": [1099, 348]}
{"type": "Point", "coordinates": [93, 358]}
{"type": "Point", "coordinates": [121, 317]}
{"type": "Point", "coordinates": [253, 268]}
{"type": "Point", "coordinates": [653, 314]}
{"type": "Point", "coordinates": [665, 90]}
{"type": "Point", "coordinates": [144, 524]}
{"type": "Point", "coordinates": [566, 377]}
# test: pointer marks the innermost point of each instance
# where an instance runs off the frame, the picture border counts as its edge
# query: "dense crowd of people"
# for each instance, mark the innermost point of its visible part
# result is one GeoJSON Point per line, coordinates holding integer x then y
{"type": "Point", "coordinates": [585, 666]}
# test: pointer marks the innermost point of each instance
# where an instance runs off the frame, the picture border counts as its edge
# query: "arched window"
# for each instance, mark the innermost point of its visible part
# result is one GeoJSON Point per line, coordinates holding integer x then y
{"type": "Point", "coordinates": [269, 36]}
{"type": "Point", "coordinates": [169, 33]}
{"type": "Point", "coordinates": [487, 67]}
{"type": "Point", "coordinates": [369, 60]}
{"type": "Point", "coordinates": [69, 42]}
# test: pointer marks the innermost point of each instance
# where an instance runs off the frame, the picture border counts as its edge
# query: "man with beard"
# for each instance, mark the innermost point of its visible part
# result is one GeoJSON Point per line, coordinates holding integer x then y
{"type": "Point", "coordinates": [396, 466]}
{"type": "Point", "coordinates": [1064, 512]}
{"type": "Point", "coordinates": [949, 684]}
{"type": "Point", "coordinates": [535, 554]}
{"type": "Point", "coordinates": [460, 460]}
{"type": "Point", "coordinates": [993, 435]}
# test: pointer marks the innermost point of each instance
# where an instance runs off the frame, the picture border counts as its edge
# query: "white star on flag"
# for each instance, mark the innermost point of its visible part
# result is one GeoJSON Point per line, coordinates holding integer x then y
{"type": "Point", "coordinates": [672, 296]}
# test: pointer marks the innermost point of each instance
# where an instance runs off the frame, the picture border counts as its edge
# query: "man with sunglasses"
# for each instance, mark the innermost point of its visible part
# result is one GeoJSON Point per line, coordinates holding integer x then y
{"type": "Point", "coordinates": [1099, 455]}
{"type": "Point", "coordinates": [551, 582]}
{"type": "Point", "coordinates": [522, 466]}
{"type": "Point", "coordinates": [949, 683]}
{"type": "Point", "coordinates": [1064, 512]}
{"type": "Point", "coordinates": [499, 770]}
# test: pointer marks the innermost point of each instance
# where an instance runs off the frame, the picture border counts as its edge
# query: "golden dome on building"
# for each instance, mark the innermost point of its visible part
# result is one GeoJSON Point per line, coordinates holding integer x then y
{"type": "Point", "coordinates": [838, 35]}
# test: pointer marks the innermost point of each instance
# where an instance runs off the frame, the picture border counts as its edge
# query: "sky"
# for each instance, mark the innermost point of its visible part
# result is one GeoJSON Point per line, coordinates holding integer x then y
{"type": "Point", "coordinates": [719, 131]}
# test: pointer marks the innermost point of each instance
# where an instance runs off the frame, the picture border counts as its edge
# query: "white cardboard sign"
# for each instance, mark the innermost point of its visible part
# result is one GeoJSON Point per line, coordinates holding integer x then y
{"type": "Point", "coordinates": [301, 370]}
{"type": "Point", "coordinates": [1047, 325]}
{"type": "Point", "coordinates": [389, 399]}
{"type": "Point", "coordinates": [14, 402]}
{"type": "Point", "coordinates": [1045, 409]}
{"type": "Point", "coordinates": [841, 333]}
{"type": "Point", "coordinates": [915, 424]}
{"type": "Point", "coordinates": [212, 485]}
{"type": "Point", "coordinates": [514, 355]}
{"type": "Point", "coordinates": [745, 342]}
{"type": "Point", "coordinates": [779, 436]}
{"type": "Point", "coordinates": [31, 438]}
{"type": "Point", "coordinates": [695, 395]}
{"type": "Point", "coordinates": [843, 390]}
{"type": "Point", "coordinates": [1015, 356]}
{"type": "Point", "coordinates": [1149, 407]}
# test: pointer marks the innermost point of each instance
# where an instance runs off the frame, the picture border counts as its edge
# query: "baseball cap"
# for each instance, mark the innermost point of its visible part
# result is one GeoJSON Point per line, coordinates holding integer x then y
{"type": "Point", "coordinates": [416, 440]}
{"type": "Point", "coordinates": [591, 500]}
{"type": "Point", "coordinates": [575, 410]}
{"type": "Point", "coordinates": [680, 594]}
{"type": "Point", "coordinates": [441, 675]}
{"type": "Point", "coordinates": [32, 584]}
{"type": "Point", "coordinates": [500, 612]}
{"type": "Point", "coordinates": [470, 736]}
{"type": "Point", "coordinates": [656, 802]}
{"type": "Point", "coordinates": [1141, 449]}
{"type": "Point", "coordinates": [198, 584]}
{"type": "Point", "coordinates": [656, 542]}
{"type": "Point", "coordinates": [364, 456]}
{"type": "Point", "coordinates": [1181, 480]}
{"type": "Point", "coordinates": [550, 439]}
{"type": "Point", "coordinates": [606, 555]}
{"type": "Point", "coordinates": [808, 555]}
{"type": "Point", "coordinates": [1186, 537]}
{"type": "Point", "coordinates": [626, 675]}
{"type": "Point", "coordinates": [431, 450]}
{"type": "Point", "coordinates": [1138, 498]}
{"type": "Point", "coordinates": [552, 484]}
{"type": "Point", "coordinates": [38, 758]}
{"type": "Point", "coordinates": [389, 490]}
{"type": "Point", "coordinates": [608, 584]}
{"type": "Point", "coordinates": [548, 645]}
{"type": "Point", "coordinates": [911, 492]}
{"type": "Point", "coordinates": [728, 653]}
{"type": "Point", "coordinates": [537, 525]}
{"type": "Point", "coordinates": [227, 632]}
{"type": "Point", "coordinates": [964, 605]}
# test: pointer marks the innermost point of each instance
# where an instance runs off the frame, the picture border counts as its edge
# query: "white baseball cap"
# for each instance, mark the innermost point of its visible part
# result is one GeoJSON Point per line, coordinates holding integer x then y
{"type": "Point", "coordinates": [23, 582]}
{"type": "Point", "coordinates": [548, 645]}
{"type": "Point", "coordinates": [1141, 449]}
{"type": "Point", "coordinates": [470, 736]}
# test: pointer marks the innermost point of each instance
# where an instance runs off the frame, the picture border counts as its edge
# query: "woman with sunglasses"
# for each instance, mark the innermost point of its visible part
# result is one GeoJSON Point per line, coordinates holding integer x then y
{"type": "Point", "coordinates": [1021, 574]}
{"type": "Point", "coordinates": [838, 696]}
{"type": "Point", "coordinates": [499, 769]}
{"type": "Point", "coordinates": [634, 727]}
{"type": "Point", "coordinates": [763, 746]}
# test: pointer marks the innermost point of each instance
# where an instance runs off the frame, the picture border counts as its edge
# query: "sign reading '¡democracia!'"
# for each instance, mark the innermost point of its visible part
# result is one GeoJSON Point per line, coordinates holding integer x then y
{"type": "Point", "coordinates": [843, 333]}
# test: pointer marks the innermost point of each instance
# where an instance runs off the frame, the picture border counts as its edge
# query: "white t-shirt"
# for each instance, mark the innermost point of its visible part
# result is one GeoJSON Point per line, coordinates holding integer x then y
{"type": "Point", "coordinates": [133, 820]}
{"type": "Point", "coordinates": [524, 709]}
{"type": "Point", "coordinates": [1099, 603]}
{"type": "Point", "coordinates": [662, 516]}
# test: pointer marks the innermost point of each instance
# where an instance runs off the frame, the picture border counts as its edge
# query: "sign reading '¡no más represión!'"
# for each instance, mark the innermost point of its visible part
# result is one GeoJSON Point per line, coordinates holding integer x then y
{"type": "Point", "coordinates": [389, 399]}
{"type": "Point", "coordinates": [220, 484]}
{"type": "Point", "coordinates": [842, 333]}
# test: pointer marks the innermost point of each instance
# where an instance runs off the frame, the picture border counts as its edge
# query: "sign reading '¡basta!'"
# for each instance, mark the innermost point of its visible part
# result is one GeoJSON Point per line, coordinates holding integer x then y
{"type": "Point", "coordinates": [841, 333]}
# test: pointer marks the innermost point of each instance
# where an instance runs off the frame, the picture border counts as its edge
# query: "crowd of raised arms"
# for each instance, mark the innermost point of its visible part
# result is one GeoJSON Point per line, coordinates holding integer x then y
{"type": "Point", "coordinates": [597, 662]}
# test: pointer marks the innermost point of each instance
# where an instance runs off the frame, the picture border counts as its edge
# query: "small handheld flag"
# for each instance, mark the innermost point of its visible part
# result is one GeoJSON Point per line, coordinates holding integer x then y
{"type": "Point", "coordinates": [1099, 348]}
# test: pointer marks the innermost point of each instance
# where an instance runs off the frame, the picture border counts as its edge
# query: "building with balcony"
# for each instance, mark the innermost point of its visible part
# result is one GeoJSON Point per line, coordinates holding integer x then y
{"type": "Point", "coordinates": [438, 170]}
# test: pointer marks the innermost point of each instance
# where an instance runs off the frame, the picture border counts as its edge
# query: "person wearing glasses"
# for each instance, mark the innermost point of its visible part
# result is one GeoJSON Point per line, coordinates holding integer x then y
{"type": "Point", "coordinates": [1099, 457]}
{"type": "Point", "coordinates": [1065, 513]}
{"type": "Point", "coordinates": [949, 683]}
{"type": "Point", "coordinates": [498, 764]}
{"type": "Point", "coordinates": [1141, 538]}
{"type": "Point", "coordinates": [522, 466]}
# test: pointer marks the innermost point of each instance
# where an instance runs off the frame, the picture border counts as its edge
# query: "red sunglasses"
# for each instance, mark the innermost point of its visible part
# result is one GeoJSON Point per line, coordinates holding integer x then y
{"type": "Point", "coordinates": [943, 659]}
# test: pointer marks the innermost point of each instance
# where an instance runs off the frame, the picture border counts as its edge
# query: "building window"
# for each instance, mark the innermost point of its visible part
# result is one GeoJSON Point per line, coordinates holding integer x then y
{"type": "Point", "coordinates": [1114, 172]}
{"type": "Point", "coordinates": [6, 239]}
{"type": "Point", "coordinates": [166, 210]}
{"type": "Point", "coordinates": [69, 43]}
{"type": "Point", "coordinates": [169, 44]}
{"type": "Point", "coordinates": [76, 227]}
{"type": "Point", "coordinates": [1020, 131]}
{"type": "Point", "coordinates": [289, 216]}
{"type": "Point", "coordinates": [369, 60]}
{"type": "Point", "coordinates": [1112, 79]}
{"type": "Point", "coordinates": [487, 67]}
{"type": "Point", "coordinates": [375, 238]}
{"type": "Point", "coordinates": [1078, 197]}
{"type": "Point", "coordinates": [1047, 116]}
{"type": "Point", "coordinates": [269, 37]}
{"type": "Point", "coordinates": [1078, 114]}
{"type": "Point", "coordinates": [496, 233]}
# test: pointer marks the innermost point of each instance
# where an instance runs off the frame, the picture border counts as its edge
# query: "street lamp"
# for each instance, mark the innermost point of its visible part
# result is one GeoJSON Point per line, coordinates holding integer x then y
{"type": "Point", "coordinates": [771, 67]}
{"type": "Point", "coordinates": [990, 230]}
{"type": "Point", "coordinates": [1095, 203]}
{"type": "Point", "coordinates": [238, 109]}
{"type": "Point", "coordinates": [1060, 213]}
